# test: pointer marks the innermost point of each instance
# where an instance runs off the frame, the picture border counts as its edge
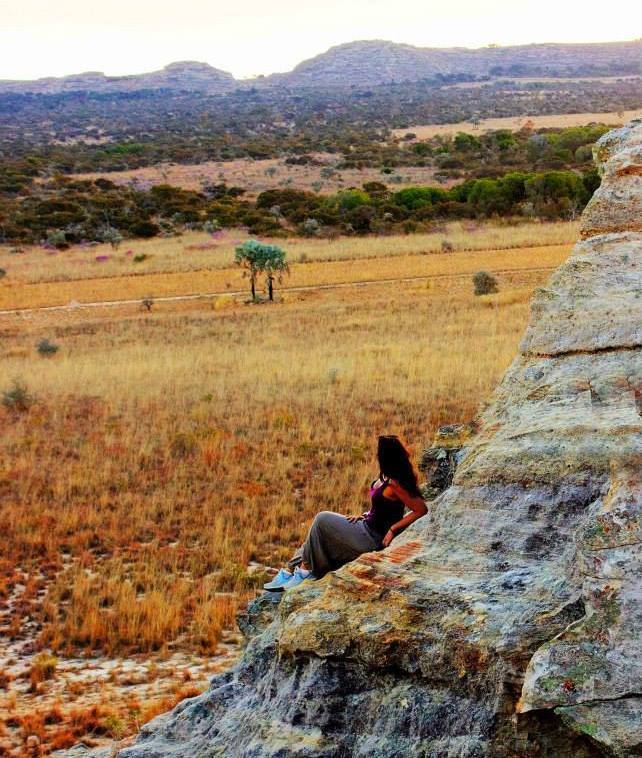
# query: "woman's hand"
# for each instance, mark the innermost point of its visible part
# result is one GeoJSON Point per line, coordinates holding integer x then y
{"type": "Point", "coordinates": [353, 519]}
{"type": "Point", "coordinates": [390, 535]}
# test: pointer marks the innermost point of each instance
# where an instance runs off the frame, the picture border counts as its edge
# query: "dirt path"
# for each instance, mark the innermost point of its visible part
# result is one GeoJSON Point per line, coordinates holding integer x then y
{"type": "Point", "coordinates": [237, 293]}
{"type": "Point", "coordinates": [212, 283]}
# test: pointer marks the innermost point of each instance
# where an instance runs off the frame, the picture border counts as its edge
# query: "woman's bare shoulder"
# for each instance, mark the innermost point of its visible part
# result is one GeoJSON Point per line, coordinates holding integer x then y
{"type": "Point", "coordinates": [396, 488]}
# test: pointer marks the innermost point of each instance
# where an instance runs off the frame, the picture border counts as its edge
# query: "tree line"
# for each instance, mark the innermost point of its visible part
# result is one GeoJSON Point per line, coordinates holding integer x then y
{"type": "Point", "coordinates": [65, 211]}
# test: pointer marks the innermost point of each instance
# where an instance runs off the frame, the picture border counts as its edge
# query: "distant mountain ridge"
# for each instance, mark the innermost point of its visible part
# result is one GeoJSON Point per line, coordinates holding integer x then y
{"type": "Point", "coordinates": [374, 62]}
{"type": "Point", "coordinates": [183, 75]}
{"type": "Point", "coordinates": [369, 63]}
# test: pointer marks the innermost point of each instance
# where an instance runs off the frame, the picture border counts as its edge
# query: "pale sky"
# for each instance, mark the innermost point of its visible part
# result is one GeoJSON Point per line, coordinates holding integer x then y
{"type": "Point", "coordinates": [250, 37]}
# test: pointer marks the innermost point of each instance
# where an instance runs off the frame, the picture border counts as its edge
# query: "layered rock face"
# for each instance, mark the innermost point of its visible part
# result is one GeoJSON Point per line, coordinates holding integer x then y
{"type": "Point", "coordinates": [506, 622]}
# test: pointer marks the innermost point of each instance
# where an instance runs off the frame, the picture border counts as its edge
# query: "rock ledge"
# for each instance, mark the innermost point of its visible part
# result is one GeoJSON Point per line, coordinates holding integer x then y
{"type": "Point", "coordinates": [507, 622]}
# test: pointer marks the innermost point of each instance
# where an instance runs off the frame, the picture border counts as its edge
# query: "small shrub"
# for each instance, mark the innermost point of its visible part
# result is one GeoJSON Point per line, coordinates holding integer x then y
{"type": "Point", "coordinates": [447, 246]}
{"type": "Point", "coordinates": [147, 303]}
{"type": "Point", "coordinates": [58, 239]}
{"type": "Point", "coordinates": [484, 283]}
{"type": "Point", "coordinates": [114, 726]}
{"type": "Point", "coordinates": [108, 234]}
{"type": "Point", "coordinates": [17, 398]}
{"type": "Point", "coordinates": [140, 257]}
{"type": "Point", "coordinates": [311, 227]}
{"type": "Point", "coordinates": [183, 445]}
{"type": "Point", "coordinates": [211, 226]}
{"type": "Point", "coordinates": [62, 740]}
{"type": "Point", "coordinates": [145, 229]}
{"type": "Point", "coordinates": [3, 273]}
{"type": "Point", "coordinates": [43, 667]}
{"type": "Point", "coordinates": [46, 347]}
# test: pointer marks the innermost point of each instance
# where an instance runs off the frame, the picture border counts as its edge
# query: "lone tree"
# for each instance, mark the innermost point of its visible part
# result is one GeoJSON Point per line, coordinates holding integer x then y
{"type": "Point", "coordinates": [257, 258]}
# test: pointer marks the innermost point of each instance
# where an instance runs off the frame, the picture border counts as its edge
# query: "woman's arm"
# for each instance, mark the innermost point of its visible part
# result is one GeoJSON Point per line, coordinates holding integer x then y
{"type": "Point", "coordinates": [417, 507]}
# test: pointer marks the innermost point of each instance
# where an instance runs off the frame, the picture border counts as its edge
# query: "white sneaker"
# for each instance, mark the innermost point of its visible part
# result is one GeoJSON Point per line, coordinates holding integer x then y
{"type": "Point", "coordinates": [279, 581]}
{"type": "Point", "coordinates": [300, 575]}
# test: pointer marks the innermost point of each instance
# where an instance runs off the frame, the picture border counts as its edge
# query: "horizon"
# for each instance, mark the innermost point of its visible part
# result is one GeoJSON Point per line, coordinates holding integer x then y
{"type": "Point", "coordinates": [41, 42]}
{"type": "Point", "coordinates": [213, 64]}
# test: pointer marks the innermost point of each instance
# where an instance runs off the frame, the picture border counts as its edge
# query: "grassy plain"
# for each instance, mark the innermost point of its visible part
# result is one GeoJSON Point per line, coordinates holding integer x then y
{"type": "Point", "coordinates": [256, 176]}
{"type": "Point", "coordinates": [198, 263]}
{"type": "Point", "coordinates": [154, 467]}
{"type": "Point", "coordinates": [515, 123]}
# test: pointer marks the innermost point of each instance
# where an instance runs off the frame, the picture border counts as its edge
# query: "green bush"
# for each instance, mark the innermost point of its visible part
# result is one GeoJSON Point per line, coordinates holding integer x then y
{"type": "Point", "coordinates": [58, 239]}
{"type": "Point", "coordinates": [310, 228]}
{"type": "Point", "coordinates": [350, 199]}
{"type": "Point", "coordinates": [46, 347]}
{"type": "Point", "coordinates": [17, 397]}
{"type": "Point", "coordinates": [484, 283]}
{"type": "Point", "coordinates": [211, 226]}
{"type": "Point", "coordinates": [145, 229]}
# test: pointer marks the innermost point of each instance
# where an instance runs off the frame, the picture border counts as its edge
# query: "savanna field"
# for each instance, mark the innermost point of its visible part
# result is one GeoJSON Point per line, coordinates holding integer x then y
{"type": "Point", "coordinates": [160, 461]}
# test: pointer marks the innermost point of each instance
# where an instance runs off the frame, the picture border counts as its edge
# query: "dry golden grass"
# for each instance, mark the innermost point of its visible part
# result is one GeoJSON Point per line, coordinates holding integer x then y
{"type": "Point", "coordinates": [59, 728]}
{"type": "Point", "coordinates": [198, 251]}
{"type": "Point", "coordinates": [340, 261]}
{"type": "Point", "coordinates": [313, 274]}
{"type": "Point", "coordinates": [160, 462]}
{"type": "Point", "coordinates": [515, 123]}
{"type": "Point", "coordinates": [163, 453]}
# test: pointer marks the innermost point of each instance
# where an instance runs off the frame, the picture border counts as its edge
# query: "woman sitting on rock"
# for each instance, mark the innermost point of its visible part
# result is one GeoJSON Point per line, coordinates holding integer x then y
{"type": "Point", "coordinates": [334, 540]}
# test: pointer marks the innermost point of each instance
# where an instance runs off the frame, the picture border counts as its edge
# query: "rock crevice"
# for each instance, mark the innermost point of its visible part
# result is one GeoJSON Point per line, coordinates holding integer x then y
{"type": "Point", "coordinates": [507, 621]}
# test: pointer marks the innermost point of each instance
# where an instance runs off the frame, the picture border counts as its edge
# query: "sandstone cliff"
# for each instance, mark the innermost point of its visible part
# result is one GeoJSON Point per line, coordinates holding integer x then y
{"type": "Point", "coordinates": [508, 621]}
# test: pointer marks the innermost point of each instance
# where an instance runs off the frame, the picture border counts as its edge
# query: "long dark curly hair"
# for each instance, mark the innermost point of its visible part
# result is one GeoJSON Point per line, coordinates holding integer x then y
{"type": "Point", "coordinates": [394, 463]}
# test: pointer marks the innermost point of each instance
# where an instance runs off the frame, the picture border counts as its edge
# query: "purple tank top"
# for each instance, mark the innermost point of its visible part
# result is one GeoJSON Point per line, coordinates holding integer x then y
{"type": "Point", "coordinates": [383, 512]}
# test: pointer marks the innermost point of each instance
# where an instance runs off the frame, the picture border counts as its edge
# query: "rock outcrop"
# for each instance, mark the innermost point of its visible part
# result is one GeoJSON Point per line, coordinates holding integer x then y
{"type": "Point", "coordinates": [507, 622]}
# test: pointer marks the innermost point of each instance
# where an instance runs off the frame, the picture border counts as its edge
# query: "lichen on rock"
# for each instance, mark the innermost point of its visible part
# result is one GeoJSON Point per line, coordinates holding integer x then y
{"type": "Point", "coordinates": [507, 621]}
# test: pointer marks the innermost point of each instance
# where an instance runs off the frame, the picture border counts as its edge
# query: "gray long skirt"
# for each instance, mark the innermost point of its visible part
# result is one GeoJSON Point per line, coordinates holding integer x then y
{"type": "Point", "coordinates": [333, 541]}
